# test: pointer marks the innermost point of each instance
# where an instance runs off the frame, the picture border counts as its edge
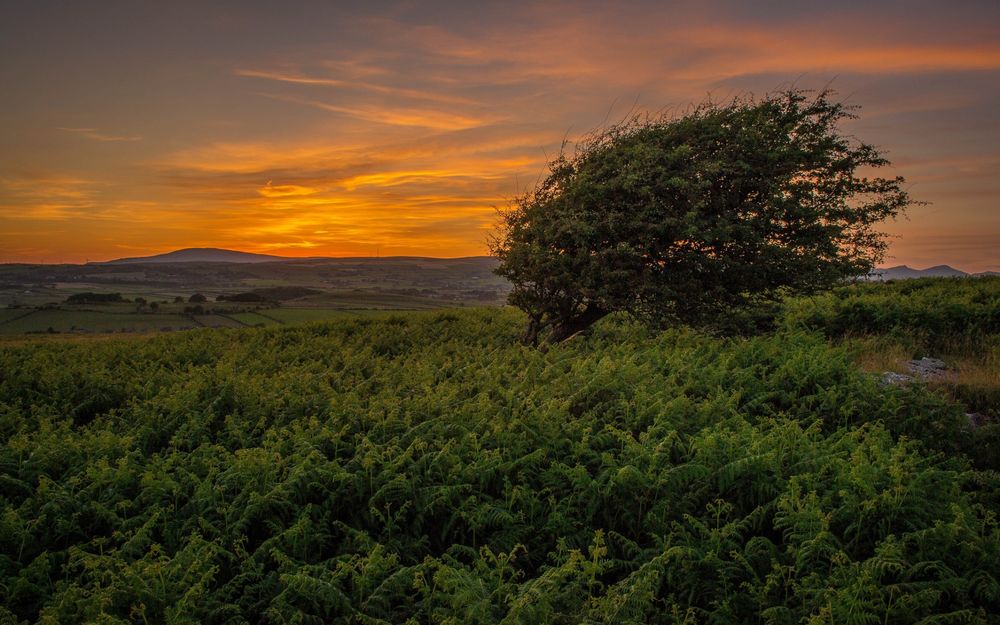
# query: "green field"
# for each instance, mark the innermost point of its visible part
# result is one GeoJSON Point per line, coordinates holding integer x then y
{"type": "Point", "coordinates": [354, 300]}
{"type": "Point", "coordinates": [305, 315]}
{"type": "Point", "coordinates": [91, 321]}
{"type": "Point", "coordinates": [8, 314]}
{"type": "Point", "coordinates": [252, 319]}
{"type": "Point", "coordinates": [400, 283]}
{"type": "Point", "coordinates": [426, 468]}
{"type": "Point", "coordinates": [125, 318]}
{"type": "Point", "coordinates": [348, 285]}
{"type": "Point", "coordinates": [216, 321]}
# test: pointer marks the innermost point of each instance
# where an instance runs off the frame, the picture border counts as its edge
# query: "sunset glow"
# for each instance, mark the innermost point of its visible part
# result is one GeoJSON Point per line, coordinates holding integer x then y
{"type": "Point", "coordinates": [308, 129]}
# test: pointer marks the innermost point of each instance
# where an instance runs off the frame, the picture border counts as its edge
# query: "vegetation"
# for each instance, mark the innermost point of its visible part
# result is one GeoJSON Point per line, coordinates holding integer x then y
{"type": "Point", "coordinates": [128, 319]}
{"type": "Point", "coordinates": [351, 282]}
{"type": "Point", "coordinates": [271, 294]}
{"type": "Point", "coordinates": [929, 312]}
{"type": "Point", "coordinates": [689, 218]}
{"type": "Point", "coordinates": [424, 468]}
{"type": "Point", "coordinates": [957, 320]}
{"type": "Point", "coordinates": [94, 298]}
{"type": "Point", "coordinates": [85, 321]}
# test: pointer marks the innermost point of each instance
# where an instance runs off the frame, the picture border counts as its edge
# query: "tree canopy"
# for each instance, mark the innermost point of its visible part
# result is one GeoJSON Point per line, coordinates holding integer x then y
{"type": "Point", "coordinates": [689, 218]}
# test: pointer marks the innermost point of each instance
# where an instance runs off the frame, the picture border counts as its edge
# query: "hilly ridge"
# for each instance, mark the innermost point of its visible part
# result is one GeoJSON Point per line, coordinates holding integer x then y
{"type": "Point", "coordinates": [903, 272]}
{"type": "Point", "coordinates": [221, 255]}
{"type": "Point", "coordinates": [199, 255]}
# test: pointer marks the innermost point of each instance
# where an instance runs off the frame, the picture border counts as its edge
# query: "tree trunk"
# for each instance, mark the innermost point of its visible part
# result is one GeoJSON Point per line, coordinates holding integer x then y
{"type": "Point", "coordinates": [530, 336]}
{"type": "Point", "coordinates": [575, 325]}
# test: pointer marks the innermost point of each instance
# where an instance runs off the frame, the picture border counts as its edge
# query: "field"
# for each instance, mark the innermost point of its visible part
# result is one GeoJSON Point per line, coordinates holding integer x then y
{"type": "Point", "coordinates": [34, 297]}
{"type": "Point", "coordinates": [422, 467]}
{"type": "Point", "coordinates": [348, 282]}
{"type": "Point", "coordinates": [69, 320]}
{"type": "Point", "coordinates": [89, 321]}
{"type": "Point", "coordinates": [253, 319]}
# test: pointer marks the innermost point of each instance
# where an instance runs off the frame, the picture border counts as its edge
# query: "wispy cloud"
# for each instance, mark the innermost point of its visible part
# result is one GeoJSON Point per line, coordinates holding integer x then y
{"type": "Point", "coordinates": [395, 116]}
{"type": "Point", "coordinates": [402, 92]}
{"type": "Point", "coordinates": [46, 196]}
{"type": "Point", "coordinates": [432, 194]}
{"type": "Point", "coordinates": [93, 133]}
{"type": "Point", "coordinates": [271, 190]}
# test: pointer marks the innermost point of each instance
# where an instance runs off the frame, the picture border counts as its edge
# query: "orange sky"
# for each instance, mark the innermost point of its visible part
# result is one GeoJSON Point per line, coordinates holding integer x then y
{"type": "Point", "coordinates": [306, 129]}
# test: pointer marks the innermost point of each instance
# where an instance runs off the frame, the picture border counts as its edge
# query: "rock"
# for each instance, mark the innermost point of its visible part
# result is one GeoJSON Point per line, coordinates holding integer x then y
{"type": "Point", "coordinates": [890, 378]}
{"type": "Point", "coordinates": [926, 368]}
{"type": "Point", "coordinates": [977, 419]}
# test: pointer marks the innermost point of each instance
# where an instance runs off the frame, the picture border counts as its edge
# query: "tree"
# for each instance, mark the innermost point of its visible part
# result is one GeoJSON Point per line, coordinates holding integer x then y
{"type": "Point", "coordinates": [691, 218]}
{"type": "Point", "coordinates": [197, 298]}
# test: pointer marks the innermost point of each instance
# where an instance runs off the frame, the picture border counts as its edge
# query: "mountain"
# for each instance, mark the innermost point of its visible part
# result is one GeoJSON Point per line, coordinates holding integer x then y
{"type": "Point", "coordinates": [944, 271]}
{"type": "Point", "coordinates": [200, 255]}
{"type": "Point", "coordinates": [902, 272]}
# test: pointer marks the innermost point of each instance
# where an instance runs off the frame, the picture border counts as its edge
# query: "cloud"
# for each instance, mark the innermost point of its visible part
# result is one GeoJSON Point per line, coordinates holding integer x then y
{"type": "Point", "coordinates": [732, 50]}
{"type": "Point", "coordinates": [285, 190]}
{"type": "Point", "coordinates": [93, 133]}
{"type": "Point", "coordinates": [46, 196]}
{"type": "Point", "coordinates": [413, 94]}
{"type": "Point", "coordinates": [395, 116]}
{"type": "Point", "coordinates": [432, 194]}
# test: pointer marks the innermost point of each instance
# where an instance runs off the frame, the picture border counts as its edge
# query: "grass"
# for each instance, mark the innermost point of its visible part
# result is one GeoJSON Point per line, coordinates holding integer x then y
{"type": "Point", "coordinates": [973, 367]}
{"type": "Point", "coordinates": [884, 325]}
{"type": "Point", "coordinates": [252, 319]}
{"type": "Point", "coordinates": [125, 318]}
{"type": "Point", "coordinates": [217, 321]}
{"type": "Point", "coordinates": [304, 315]}
{"type": "Point", "coordinates": [81, 321]}
{"type": "Point", "coordinates": [369, 299]}
{"type": "Point", "coordinates": [8, 314]}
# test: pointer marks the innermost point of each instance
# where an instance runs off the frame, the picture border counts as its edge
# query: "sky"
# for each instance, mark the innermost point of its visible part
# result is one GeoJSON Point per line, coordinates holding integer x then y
{"type": "Point", "coordinates": [397, 128]}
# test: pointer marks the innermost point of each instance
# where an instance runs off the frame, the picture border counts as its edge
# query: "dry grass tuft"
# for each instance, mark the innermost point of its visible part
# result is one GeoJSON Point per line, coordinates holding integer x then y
{"type": "Point", "coordinates": [973, 376]}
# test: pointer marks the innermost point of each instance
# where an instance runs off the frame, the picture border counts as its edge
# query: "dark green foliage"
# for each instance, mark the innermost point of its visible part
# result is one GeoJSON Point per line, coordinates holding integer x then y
{"type": "Point", "coordinates": [426, 469]}
{"type": "Point", "coordinates": [690, 218]}
{"type": "Point", "coordinates": [954, 318]}
{"type": "Point", "coordinates": [243, 297]}
{"type": "Point", "coordinates": [94, 298]}
{"type": "Point", "coordinates": [270, 294]}
{"type": "Point", "coordinates": [934, 311]}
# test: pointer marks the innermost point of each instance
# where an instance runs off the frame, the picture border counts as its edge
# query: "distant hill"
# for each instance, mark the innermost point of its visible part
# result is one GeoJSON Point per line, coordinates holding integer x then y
{"type": "Point", "coordinates": [200, 255]}
{"type": "Point", "coordinates": [902, 272]}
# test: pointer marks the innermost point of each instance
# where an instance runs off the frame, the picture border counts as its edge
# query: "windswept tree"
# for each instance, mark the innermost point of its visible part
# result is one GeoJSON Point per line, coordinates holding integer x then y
{"type": "Point", "coordinates": [690, 218]}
